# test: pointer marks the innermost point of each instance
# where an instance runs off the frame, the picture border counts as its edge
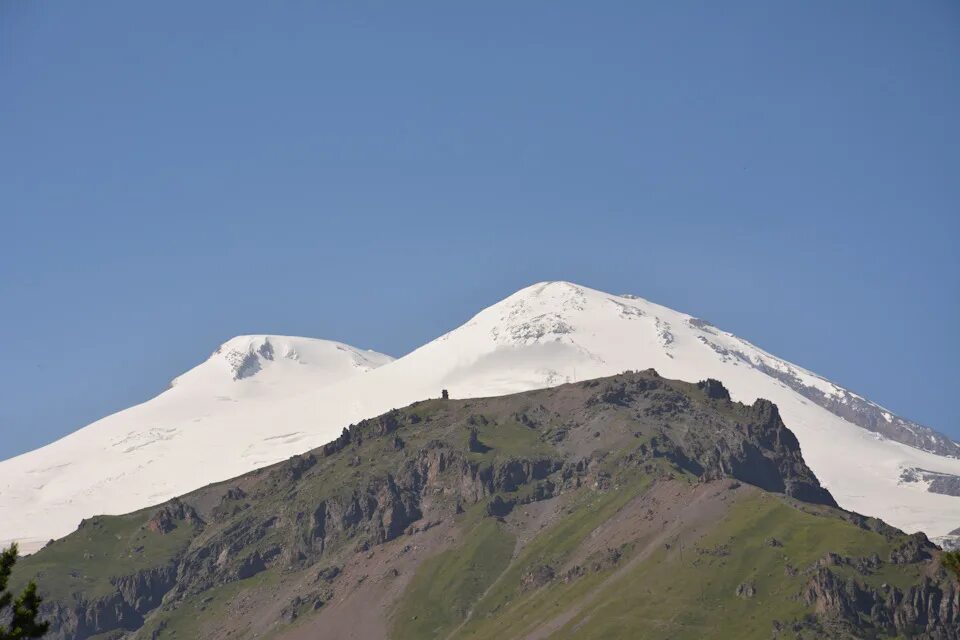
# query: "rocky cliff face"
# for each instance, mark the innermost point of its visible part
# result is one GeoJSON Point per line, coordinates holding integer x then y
{"type": "Point", "coordinates": [134, 597]}
{"type": "Point", "coordinates": [928, 610]}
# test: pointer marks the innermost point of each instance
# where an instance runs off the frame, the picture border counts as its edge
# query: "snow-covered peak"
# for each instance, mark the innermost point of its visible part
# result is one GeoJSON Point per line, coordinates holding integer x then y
{"type": "Point", "coordinates": [541, 313]}
{"type": "Point", "coordinates": [213, 421]}
{"type": "Point", "coordinates": [245, 355]}
{"type": "Point", "coordinates": [557, 311]}
{"type": "Point", "coordinates": [556, 296]}
{"type": "Point", "coordinates": [266, 358]}
{"type": "Point", "coordinates": [554, 332]}
{"type": "Point", "coordinates": [560, 312]}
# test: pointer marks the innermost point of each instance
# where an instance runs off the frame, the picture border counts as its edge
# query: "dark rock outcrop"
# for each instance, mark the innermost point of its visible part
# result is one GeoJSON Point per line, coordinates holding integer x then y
{"type": "Point", "coordinates": [915, 549]}
{"type": "Point", "coordinates": [762, 451]}
{"type": "Point", "coordinates": [714, 389]}
{"type": "Point", "coordinates": [943, 483]}
{"type": "Point", "coordinates": [134, 597]}
{"type": "Point", "coordinates": [172, 514]}
{"type": "Point", "coordinates": [927, 610]}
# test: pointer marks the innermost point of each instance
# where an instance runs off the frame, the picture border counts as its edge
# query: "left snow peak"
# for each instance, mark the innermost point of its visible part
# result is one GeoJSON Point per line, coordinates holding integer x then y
{"type": "Point", "coordinates": [298, 362]}
{"type": "Point", "coordinates": [109, 466]}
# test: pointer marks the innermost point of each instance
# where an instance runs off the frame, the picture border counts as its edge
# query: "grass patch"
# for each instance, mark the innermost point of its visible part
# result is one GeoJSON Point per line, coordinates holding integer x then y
{"type": "Point", "coordinates": [106, 547]}
{"type": "Point", "coordinates": [446, 586]}
{"type": "Point", "coordinates": [689, 598]}
{"type": "Point", "coordinates": [508, 439]}
{"type": "Point", "coordinates": [188, 620]}
{"type": "Point", "coordinates": [695, 598]}
{"type": "Point", "coordinates": [504, 609]}
{"type": "Point", "coordinates": [557, 543]}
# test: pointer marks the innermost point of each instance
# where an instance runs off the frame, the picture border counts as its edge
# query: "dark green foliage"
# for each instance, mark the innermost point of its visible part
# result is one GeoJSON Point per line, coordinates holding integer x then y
{"type": "Point", "coordinates": [951, 560]}
{"type": "Point", "coordinates": [26, 607]}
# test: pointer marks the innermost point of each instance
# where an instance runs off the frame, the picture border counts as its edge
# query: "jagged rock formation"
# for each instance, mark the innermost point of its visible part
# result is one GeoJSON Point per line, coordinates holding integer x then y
{"type": "Point", "coordinates": [927, 610]}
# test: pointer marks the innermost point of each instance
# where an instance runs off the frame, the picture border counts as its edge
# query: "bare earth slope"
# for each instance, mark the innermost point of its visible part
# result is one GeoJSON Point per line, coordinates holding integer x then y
{"type": "Point", "coordinates": [623, 507]}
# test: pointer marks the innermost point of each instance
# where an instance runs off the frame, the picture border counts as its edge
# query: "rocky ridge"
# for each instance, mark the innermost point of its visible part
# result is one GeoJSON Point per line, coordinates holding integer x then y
{"type": "Point", "coordinates": [304, 532]}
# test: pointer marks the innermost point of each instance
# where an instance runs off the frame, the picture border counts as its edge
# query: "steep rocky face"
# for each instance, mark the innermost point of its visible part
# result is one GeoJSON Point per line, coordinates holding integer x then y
{"type": "Point", "coordinates": [167, 517]}
{"type": "Point", "coordinates": [133, 597]}
{"type": "Point", "coordinates": [308, 533]}
{"type": "Point", "coordinates": [758, 449]}
{"type": "Point", "coordinates": [927, 610]}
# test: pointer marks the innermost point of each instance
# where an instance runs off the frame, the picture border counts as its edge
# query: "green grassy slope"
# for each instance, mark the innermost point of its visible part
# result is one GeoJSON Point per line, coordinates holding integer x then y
{"type": "Point", "coordinates": [103, 548]}
{"type": "Point", "coordinates": [765, 541]}
{"type": "Point", "coordinates": [695, 597]}
{"type": "Point", "coordinates": [603, 509]}
{"type": "Point", "coordinates": [447, 585]}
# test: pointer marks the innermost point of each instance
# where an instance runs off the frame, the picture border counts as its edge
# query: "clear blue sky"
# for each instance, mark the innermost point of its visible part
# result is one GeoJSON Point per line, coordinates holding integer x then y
{"type": "Point", "coordinates": [175, 173]}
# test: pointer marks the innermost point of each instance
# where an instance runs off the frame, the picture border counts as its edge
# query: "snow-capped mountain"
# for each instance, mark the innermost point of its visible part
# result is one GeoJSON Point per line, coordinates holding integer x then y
{"type": "Point", "coordinates": [261, 399]}
{"type": "Point", "coordinates": [147, 453]}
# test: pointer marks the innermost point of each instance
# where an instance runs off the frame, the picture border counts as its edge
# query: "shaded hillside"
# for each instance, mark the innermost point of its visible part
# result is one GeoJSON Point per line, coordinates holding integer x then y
{"type": "Point", "coordinates": [630, 506]}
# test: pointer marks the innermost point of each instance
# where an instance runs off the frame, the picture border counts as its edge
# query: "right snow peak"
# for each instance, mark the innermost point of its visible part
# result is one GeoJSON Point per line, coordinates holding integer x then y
{"type": "Point", "coordinates": [556, 310]}
{"type": "Point", "coordinates": [550, 333]}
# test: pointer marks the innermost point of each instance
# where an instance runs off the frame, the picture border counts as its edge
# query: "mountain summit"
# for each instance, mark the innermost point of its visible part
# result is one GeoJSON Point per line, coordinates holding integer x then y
{"type": "Point", "coordinates": [285, 362]}
{"type": "Point", "coordinates": [261, 399]}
